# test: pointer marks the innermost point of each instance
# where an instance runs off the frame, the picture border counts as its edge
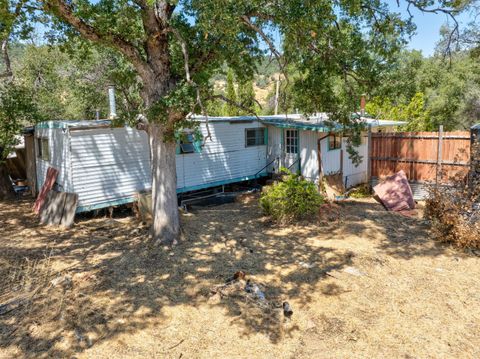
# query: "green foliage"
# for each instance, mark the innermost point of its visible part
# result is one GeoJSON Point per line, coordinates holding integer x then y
{"type": "Point", "coordinates": [16, 111]}
{"type": "Point", "coordinates": [414, 112]}
{"type": "Point", "coordinates": [428, 92]}
{"type": "Point", "coordinates": [246, 97]}
{"type": "Point", "coordinates": [71, 83]}
{"type": "Point", "coordinates": [231, 94]}
{"type": "Point", "coordinates": [331, 50]}
{"type": "Point", "coordinates": [293, 198]}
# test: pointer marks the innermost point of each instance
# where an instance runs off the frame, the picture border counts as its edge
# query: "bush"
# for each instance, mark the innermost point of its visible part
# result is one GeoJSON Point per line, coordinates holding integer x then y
{"type": "Point", "coordinates": [455, 215]}
{"type": "Point", "coordinates": [293, 198]}
{"type": "Point", "coordinates": [362, 191]}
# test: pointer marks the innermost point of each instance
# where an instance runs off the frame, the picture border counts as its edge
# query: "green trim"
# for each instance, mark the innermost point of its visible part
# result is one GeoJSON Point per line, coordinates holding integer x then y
{"type": "Point", "coordinates": [295, 126]}
{"type": "Point", "coordinates": [219, 183]}
{"type": "Point", "coordinates": [197, 146]}
{"type": "Point", "coordinates": [115, 202]}
{"type": "Point", "coordinates": [299, 153]}
{"type": "Point", "coordinates": [71, 123]}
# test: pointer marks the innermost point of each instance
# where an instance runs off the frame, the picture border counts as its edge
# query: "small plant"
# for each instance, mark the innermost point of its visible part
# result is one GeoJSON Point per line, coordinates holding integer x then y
{"type": "Point", "coordinates": [455, 215]}
{"type": "Point", "coordinates": [362, 191]}
{"type": "Point", "coordinates": [292, 198]}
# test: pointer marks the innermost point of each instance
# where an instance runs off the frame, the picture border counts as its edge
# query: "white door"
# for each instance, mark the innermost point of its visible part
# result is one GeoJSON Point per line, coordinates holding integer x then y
{"type": "Point", "coordinates": [291, 150]}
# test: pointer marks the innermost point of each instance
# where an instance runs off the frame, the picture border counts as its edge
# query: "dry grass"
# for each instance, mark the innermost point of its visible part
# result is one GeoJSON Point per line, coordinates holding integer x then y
{"type": "Point", "coordinates": [368, 284]}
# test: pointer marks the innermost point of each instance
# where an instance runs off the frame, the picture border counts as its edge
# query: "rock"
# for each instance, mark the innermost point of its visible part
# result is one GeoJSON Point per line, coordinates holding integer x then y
{"type": "Point", "coordinates": [354, 271]}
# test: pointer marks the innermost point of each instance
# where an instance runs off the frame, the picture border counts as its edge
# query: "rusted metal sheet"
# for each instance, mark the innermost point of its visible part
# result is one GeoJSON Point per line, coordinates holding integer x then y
{"type": "Point", "coordinates": [50, 179]}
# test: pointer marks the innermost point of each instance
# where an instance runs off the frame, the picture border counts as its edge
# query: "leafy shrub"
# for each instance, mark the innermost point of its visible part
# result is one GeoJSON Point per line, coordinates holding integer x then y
{"type": "Point", "coordinates": [292, 198]}
{"type": "Point", "coordinates": [455, 215]}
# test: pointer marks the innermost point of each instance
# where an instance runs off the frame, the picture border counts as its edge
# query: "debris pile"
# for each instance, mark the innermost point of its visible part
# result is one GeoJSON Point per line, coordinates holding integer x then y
{"type": "Point", "coordinates": [238, 285]}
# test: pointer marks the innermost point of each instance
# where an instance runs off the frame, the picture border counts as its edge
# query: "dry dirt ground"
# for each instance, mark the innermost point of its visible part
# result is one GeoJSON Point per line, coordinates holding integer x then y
{"type": "Point", "coordinates": [363, 283]}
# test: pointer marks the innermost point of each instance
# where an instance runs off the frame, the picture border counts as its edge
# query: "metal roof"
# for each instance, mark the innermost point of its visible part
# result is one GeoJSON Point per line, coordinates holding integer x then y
{"type": "Point", "coordinates": [74, 123]}
{"type": "Point", "coordinates": [316, 122]}
{"type": "Point", "coordinates": [475, 127]}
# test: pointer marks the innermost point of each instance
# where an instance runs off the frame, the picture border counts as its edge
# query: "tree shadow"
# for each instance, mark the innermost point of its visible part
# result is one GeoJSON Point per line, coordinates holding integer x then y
{"type": "Point", "coordinates": [118, 283]}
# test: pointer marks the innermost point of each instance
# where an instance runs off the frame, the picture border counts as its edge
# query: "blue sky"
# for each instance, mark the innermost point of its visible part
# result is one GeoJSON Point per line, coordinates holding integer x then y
{"type": "Point", "coordinates": [428, 28]}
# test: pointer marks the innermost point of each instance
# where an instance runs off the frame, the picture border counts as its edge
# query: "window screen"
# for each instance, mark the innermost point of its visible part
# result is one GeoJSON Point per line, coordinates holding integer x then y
{"type": "Point", "coordinates": [254, 137]}
{"type": "Point", "coordinates": [43, 148]}
{"type": "Point", "coordinates": [291, 141]}
{"type": "Point", "coordinates": [186, 144]}
{"type": "Point", "coordinates": [39, 147]}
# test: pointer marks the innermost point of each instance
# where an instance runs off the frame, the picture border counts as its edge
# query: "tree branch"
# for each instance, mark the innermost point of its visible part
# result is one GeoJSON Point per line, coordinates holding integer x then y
{"type": "Point", "coordinates": [233, 103]}
{"type": "Point", "coordinates": [6, 60]}
{"type": "Point", "coordinates": [246, 20]}
{"type": "Point", "coordinates": [65, 12]}
{"type": "Point", "coordinates": [449, 12]}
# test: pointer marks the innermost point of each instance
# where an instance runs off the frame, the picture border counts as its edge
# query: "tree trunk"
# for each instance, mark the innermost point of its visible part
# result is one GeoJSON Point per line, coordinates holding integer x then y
{"type": "Point", "coordinates": [6, 189]}
{"type": "Point", "coordinates": [166, 221]}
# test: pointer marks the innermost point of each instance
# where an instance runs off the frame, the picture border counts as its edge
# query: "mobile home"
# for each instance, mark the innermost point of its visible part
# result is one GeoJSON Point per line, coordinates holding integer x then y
{"type": "Point", "coordinates": [107, 165]}
{"type": "Point", "coordinates": [315, 147]}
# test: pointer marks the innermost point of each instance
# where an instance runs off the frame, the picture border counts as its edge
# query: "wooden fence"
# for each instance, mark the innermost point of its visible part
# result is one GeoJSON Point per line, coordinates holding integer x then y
{"type": "Point", "coordinates": [438, 157]}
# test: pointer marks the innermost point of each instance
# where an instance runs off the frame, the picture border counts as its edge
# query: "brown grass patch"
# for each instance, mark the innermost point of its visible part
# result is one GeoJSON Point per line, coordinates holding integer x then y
{"type": "Point", "coordinates": [120, 297]}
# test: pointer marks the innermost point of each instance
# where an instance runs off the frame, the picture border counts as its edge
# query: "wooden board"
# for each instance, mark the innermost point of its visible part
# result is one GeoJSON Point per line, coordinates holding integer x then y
{"type": "Point", "coordinates": [144, 203]}
{"type": "Point", "coordinates": [69, 209]}
{"type": "Point", "coordinates": [59, 208]}
{"type": "Point", "coordinates": [30, 164]}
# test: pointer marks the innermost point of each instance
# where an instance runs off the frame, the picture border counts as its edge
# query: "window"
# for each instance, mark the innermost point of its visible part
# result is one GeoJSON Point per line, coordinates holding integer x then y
{"type": "Point", "coordinates": [43, 148]}
{"type": "Point", "coordinates": [254, 137]}
{"type": "Point", "coordinates": [187, 144]}
{"type": "Point", "coordinates": [291, 141]}
{"type": "Point", "coordinates": [334, 142]}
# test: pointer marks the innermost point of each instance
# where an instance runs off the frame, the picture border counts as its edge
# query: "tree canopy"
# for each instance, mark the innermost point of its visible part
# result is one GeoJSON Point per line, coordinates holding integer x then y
{"type": "Point", "coordinates": [335, 48]}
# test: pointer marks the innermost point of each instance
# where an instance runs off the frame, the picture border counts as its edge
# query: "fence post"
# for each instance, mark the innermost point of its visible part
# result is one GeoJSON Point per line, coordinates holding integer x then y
{"type": "Point", "coordinates": [369, 156]}
{"type": "Point", "coordinates": [474, 175]}
{"type": "Point", "coordinates": [439, 154]}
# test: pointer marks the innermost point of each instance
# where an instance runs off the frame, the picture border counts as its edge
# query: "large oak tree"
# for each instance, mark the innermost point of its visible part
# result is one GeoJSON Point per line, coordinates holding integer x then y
{"type": "Point", "coordinates": [176, 45]}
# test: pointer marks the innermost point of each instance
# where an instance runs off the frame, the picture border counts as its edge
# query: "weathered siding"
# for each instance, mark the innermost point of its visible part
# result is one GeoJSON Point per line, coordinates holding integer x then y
{"type": "Point", "coordinates": [59, 158]}
{"type": "Point", "coordinates": [274, 150]}
{"type": "Point", "coordinates": [354, 175]}
{"type": "Point", "coordinates": [309, 154]}
{"type": "Point", "coordinates": [109, 164]}
{"type": "Point", "coordinates": [330, 159]}
{"type": "Point", "coordinates": [223, 158]}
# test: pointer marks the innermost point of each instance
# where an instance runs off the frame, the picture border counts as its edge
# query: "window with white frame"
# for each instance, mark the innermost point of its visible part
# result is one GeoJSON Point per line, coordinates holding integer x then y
{"type": "Point", "coordinates": [254, 136]}
{"type": "Point", "coordinates": [291, 141]}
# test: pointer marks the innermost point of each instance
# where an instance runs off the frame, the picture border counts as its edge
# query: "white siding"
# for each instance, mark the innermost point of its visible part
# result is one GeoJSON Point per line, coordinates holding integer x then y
{"type": "Point", "coordinates": [109, 164]}
{"type": "Point", "coordinates": [274, 150]}
{"type": "Point", "coordinates": [224, 157]}
{"type": "Point", "coordinates": [330, 159]}
{"type": "Point", "coordinates": [309, 155]}
{"type": "Point", "coordinates": [59, 158]}
{"type": "Point", "coordinates": [354, 175]}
